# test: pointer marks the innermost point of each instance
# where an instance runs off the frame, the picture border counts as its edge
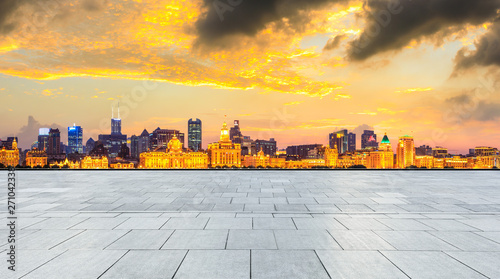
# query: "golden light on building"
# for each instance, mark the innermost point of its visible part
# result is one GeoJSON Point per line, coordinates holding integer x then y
{"type": "Point", "coordinates": [94, 163]}
{"type": "Point", "coordinates": [224, 153]}
{"type": "Point", "coordinates": [10, 157]}
{"type": "Point", "coordinates": [66, 164]}
{"type": "Point", "coordinates": [331, 157]}
{"type": "Point", "coordinates": [36, 158]}
{"type": "Point", "coordinates": [120, 165]}
{"type": "Point", "coordinates": [405, 152]}
{"type": "Point", "coordinates": [426, 161]}
{"type": "Point", "coordinates": [383, 158]}
{"type": "Point", "coordinates": [173, 157]}
{"type": "Point", "coordinates": [260, 160]}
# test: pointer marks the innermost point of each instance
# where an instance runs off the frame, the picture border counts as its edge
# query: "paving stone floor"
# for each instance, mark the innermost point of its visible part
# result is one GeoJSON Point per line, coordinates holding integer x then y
{"type": "Point", "coordinates": [255, 224]}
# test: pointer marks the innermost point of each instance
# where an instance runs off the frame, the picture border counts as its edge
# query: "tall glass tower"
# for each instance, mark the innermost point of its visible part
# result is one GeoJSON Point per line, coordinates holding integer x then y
{"type": "Point", "coordinates": [116, 123]}
{"type": "Point", "coordinates": [194, 134]}
{"type": "Point", "coordinates": [75, 139]}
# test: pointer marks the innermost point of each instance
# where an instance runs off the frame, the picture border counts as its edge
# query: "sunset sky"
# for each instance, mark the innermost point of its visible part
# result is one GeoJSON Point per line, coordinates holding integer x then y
{"type": "Point", "coordinates": [293, 70]}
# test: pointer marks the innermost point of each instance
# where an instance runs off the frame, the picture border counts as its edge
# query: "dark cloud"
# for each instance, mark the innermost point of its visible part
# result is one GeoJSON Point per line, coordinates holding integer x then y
{"type": "Point", "coordinates": [487, 51]}
{"type": "Point", "coordinates": [393, 24]}
{"type": "Point", "coordinates": [7, 10]}
{"type": "Point", "coordinates": [467, 107]}
{"type": "Point", "coordinates": [93, 5]}
{"type": "Point", "coordinates": [247, 17]}
{"type": "Point", "coordinates": [334, 42]}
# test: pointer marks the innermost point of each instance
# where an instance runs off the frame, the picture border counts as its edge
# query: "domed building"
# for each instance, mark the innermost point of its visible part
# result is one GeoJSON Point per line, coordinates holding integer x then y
{"type": "Point", "coordinates": [173, 157]}
{"type": "Point", "coordinates": [383, 158]}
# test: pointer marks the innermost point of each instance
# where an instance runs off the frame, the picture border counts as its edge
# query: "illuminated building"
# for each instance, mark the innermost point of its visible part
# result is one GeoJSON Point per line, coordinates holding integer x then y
{"type": "Point", "coordinates": [224, 153]}
{"type": "Point", "coordinates": [259, 160]}
{"type": "Point", "coordinates": [456, 162]}
{"type": "Point", "coordinates": [311, 163]}
{"type": "Point", "coordinates": [120, 165]}
{"type": "Point", "coordinates": [485, 151]}
{"type": "Point", "coordinates": [54, 146]}
{"type": "Point", "coordinates": [423, 150]}
{"type": "Point", "coordinates": [75, 139]}
{"type": "Point", "coordinates": [331, 157]}
{"type": "Point", "coordinates": [294, 164]}
{"type": "Point", "coordinates": [235, 133]}
{"type": "Point", "coordinates": [369, 140]}
{"type": "Point", "coordinates": [194, 134]}
{"type": "Point", "coordinates": [173, 157]}
{"type": "Point", "coordinates": [9, 157]}
{"type": "Point", "coordinates": [277, 162]}
{"type": "Point", "coordinates": [351, 142]}
{"type": "Point", "coordinates": [94, 162]}
{"type": "Point", "coordinates": [36, 158]}
{"type": "Point", "coordinates": [66, 164]}
{"type": "Point", "coordinates": [425, 161]}
{"type": "Point", "coordinates": [383, 158]}
{"type": "Point", "coordinates": [405, 152]}
{"type": "Point", "coordinates": [43, 139]}
{"type": "Point", "coordinates": [340, 139]}
{"type": "Point", "coordinates": [159, 138]}
{"type": "Point", "coordinates": [139, 144]}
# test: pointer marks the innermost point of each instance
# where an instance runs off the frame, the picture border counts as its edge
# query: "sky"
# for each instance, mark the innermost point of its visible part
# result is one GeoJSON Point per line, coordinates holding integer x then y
{"type": "Point", "coordinates": [287, 69]}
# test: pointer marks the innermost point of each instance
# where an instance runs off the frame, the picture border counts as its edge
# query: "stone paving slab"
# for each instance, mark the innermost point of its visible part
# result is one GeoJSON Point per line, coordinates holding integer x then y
{"type": "Point", "coordinates": [256, 224]}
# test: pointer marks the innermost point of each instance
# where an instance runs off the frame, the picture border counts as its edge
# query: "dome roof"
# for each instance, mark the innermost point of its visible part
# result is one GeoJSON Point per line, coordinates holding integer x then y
{"type": "Point", "coordinates": [385, 139]}
{"type": "Point", "coordinates": [174, 145]}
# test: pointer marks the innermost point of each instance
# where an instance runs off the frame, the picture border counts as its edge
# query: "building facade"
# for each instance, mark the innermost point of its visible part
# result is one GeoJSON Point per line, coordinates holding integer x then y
{"type": "Point", "coordinates": [36, 158]}
{"type": "Point", "coordinates": [75, 139]}
{"type": "Point", "coordinates": [10, 157]}
{"type": "Point", "coordinates": [224, 153]}
{"type": "Point", "coordinates": [339, 139]}
{"type": "Point", "coordinates": [405, 152]}
{"type": "Point", "coordinates": [369, 140]}
{"type": "Point", "coordinates": [194, 134]}
{"type": "Point", "coordinates": [139, 144]}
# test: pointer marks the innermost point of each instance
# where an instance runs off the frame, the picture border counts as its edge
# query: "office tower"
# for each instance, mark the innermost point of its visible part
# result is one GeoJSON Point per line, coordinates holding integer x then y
{"type": "Point", "coordinates": [139, 144]}
{"type": "Point", "coordinates": [54, 142]}
{"type": "Point", "coordinates": [267, 146]}
{"type": "Point", "coordinates": [75, 139]}
{"type": "Point", "coordinates": [124, 151]}
{"type": "Point", "coordinates": [351, 142]}
{"type": "Point", "coordinates": [405, 152]}
{"type": "Point", "coordinates": [43, 138]}
{"type": "Point", "coordinates": [114, 141]}
{"type": "Point", "coordinates": [89, 145]}
{"type": "Point", "coordinates": [340, 140]}
{"type": "Point", "coordinates": [440, 152]}
{"type": "Point", "coordinates": [159, 138]}
{"type": "Point", "coordinates": [302, 151]}
{"type": "Point", "coordinates": [235, 133]}
{"type": "Point", "coordinates": [116, 123]}
{"type": "Point", "coordinates": [194, 134]}
{"type": "Point", "coordinates": [224, 153]}
{"type": "Point", "coordinates": [369, 140]}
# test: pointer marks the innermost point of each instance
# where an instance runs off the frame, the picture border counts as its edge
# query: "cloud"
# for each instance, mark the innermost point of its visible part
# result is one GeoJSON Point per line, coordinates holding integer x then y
{"type": "Point", "coordinates": [334, 42]}
{"type": "Point", "coordinates": [242, 17]}
{"type": "Point", "coordinates": [466, 107]}
{"type": "Point", "coordinates": [7, 20]}
{"type": "Point", "coordinates": [487, 50]}
{"type": "Point", "coordinates": [394, 24]}
{"type": "Point", "coordinates": [93, 5]}
{"type": "Point", "coordinates": [414, 90]}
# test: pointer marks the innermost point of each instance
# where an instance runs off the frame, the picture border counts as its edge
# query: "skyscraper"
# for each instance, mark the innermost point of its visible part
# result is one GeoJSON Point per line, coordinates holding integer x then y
{"type": "Point", "coordinates": [194, 134]}
{"type": "Point", "coordinates": [139, 144]}
{"type": "Point", "coordinates": [351, 142]}
{"type": "Point", "coordinates": [43, 138]}
{"type": "Point", "coordinates": [75, 139]}
{"type": "Point", "coordinates": [159, 138]}
{"type": "Point", "coordinates": [114, 141]}
{"type": "Point", "coordinates": [339, 139]}
{"type": "Point", "coordinates": [369, 139]}
{"type": "Point", "coordinates": [267, 146]}
{"type": "Point", "coordinates": [405, 152]}
{"type": "Point", "coordinates": [235, 133]}
{"type": "Point", "coordinates": [116, 123]}
{"type": "Point", "coordinates": [54, 146]}
{"type": "Point", "coordinates": [89, 145]}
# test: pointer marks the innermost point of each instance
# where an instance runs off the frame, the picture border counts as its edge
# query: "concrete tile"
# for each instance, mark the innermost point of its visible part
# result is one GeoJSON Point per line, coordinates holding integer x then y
{"type": "Point", "coordinates": [141, 239]}
{"type": "Point", "coordinates": [273, 224]}
{"type": "Point", "coordinates": [215, 264]}
{"type": "Point", "coordinates": [485, 263]}
{"type": "Point", "coordinates": [147, 264]}
{"type": "Point", "coordinates": [91, 239]}
{"type": "Point", "coordinates": [318, 224]}
{"type": "Point", "coordinates": [251, 239]}
{"type": "Point", "coordinates": [362, 224]}
{"type": "Point", "coordinates": [186, 223]}
{"type": "Point", "coordinates": [229, 223]}
{"type": "Point", "coordinates": [405, 225]}
{"type": "Point", "coordinates": [197, 239]}
{"type": "Point", "coordinates": [427, 264]}
{"type": "Point", "coordinates": [305, 239]}
{"type": "Point", "coordinates": [360, 240]}
{"type": "Point", "coordinates": [286, 264]}
{"type": "Point", "coordinates": [99, 223]}
{"type": "Point", "coordinates": [468, 241]}
{"type": "Point", "coordinates": [358, 264]}
{"type": "Point", "coordinates": [415, 240]}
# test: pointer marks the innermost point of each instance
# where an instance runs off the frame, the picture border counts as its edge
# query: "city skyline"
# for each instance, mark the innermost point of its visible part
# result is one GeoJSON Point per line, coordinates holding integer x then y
{"type": "Point", "coordinates": [291, 72]}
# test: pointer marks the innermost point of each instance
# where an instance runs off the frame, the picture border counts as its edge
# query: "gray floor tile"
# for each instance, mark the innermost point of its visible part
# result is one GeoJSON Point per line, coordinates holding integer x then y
{"type": "Point", "coordinates": [305, 239]}
{"type": "Point", "coordinates": [186, 223]}
{"type": "Point", "coordinates": [229, 223]}
{"type": "Point", "coordinates": [141, 239]}
{"type": "Point", "coordinates": [273, 224]}
{"type": "Point", "coordinates": [485, 263]}
{"type": "Point", "coordinates": [360, 240]}
{"type": "Point", "coordinates": [251, 239]}
{"type": "Point", "coordinates": [197, 239]}
{"type": "Point", "coordinates": [286, 264]}
{"type": "Point", "coordinates": [231, 264]}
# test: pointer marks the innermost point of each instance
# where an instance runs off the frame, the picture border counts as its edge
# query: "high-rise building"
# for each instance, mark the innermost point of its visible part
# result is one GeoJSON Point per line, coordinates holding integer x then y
{"type": "Point", "coordinates": [114, 141]}
{"type": "Point", "coordinates": [405, 152]}
{"type": "Point", "coordinates": [383, 158]}
{"type": "Point", "coordinates": [194, 134]}
{"type": "Point", "coordinates": [89, 145]}
{"type": "Point", "coordinates": [54, 145]}
{"type": "Point", "coordinates": [235, 133]}
{"type": "Point", "coordinates": [351, 142]}
{"type": "Point", "coordinates": [139, 144]}
{"type": "Point", "coordinates": [302, 151]}
{"type": "Point", "coordinates": [224, 153]}
{"type": "Point", "coordinates": [369, 140]}
{"type": "Point", "coordinates": [339, 139]}
{"type": "Point", "coordinates": [161, 137]}
{"type": "Point", "coordinates": [267, 146]}
{"type": "Point", "coordinates": [43, 138]}
{"type": "Point", "coordinates": [423, 150]}
{"type": "Point", "coordinates": [75, 139]}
